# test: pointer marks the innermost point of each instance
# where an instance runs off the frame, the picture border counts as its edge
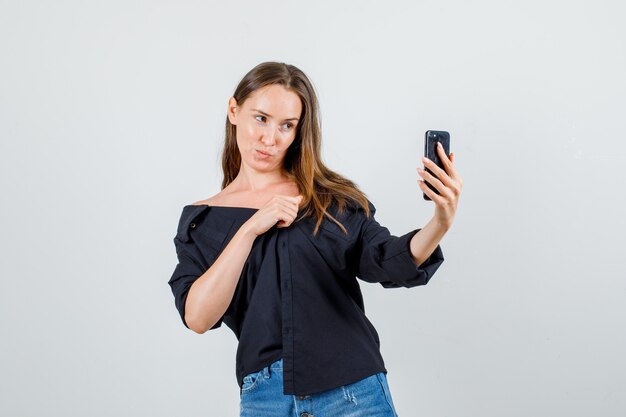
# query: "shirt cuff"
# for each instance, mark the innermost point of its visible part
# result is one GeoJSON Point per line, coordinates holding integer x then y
{"type": "Point", "coordinates": [405, 270]}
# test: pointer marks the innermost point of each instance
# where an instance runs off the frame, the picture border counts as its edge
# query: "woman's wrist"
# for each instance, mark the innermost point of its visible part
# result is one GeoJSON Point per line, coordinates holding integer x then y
{"type": "Point", "coordinates": [246, 231]}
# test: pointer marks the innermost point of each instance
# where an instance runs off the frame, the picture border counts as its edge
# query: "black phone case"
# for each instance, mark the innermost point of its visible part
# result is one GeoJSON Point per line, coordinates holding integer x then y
{"type": "Point", "coordinates": [430, 151]}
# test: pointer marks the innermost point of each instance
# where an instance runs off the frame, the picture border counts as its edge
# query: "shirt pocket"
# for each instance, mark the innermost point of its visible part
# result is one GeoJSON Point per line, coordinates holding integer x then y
{"type": "Point", "coordinates": [332, 228]}
{"type": "Point", "coordinates": [251, 381]}
{"type": "Point", "coordinates": [328, 230]}
{"type": "Point", "coordinates": [330, 243]}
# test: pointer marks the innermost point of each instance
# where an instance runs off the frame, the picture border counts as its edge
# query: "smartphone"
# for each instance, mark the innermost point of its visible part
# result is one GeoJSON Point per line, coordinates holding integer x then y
{"type": "Point", "coordinates": [430, 151]}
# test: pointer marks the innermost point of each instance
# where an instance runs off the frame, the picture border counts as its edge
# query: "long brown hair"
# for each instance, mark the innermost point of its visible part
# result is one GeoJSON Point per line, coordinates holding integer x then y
{"type": "Point", "coordinates": [319, 185]}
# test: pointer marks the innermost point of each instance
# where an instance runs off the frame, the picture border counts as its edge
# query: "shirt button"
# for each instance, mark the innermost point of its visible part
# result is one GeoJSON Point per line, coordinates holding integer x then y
{"type": "Point", "coordinates": [306, 415]}
{"type": "Point", "coordinates": [192, 225]}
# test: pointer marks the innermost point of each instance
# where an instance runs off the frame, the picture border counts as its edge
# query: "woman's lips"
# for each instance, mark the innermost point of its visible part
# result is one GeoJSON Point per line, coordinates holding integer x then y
{"type": "Point", "coordinates": [263, 154]}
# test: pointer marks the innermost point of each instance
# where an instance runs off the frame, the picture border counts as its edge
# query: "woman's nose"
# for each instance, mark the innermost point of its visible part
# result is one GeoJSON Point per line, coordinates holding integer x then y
{"type": "Point", "coordinates": [269, 136]}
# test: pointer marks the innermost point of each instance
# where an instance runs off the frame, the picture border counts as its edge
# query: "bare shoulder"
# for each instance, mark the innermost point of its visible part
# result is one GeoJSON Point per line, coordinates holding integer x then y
{"type": "Point", "coordinates": [211, 201]}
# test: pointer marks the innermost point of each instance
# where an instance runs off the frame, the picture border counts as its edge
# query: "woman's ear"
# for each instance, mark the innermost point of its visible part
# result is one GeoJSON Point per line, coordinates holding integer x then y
{"type": "Point", "coordinates": [232, 111]}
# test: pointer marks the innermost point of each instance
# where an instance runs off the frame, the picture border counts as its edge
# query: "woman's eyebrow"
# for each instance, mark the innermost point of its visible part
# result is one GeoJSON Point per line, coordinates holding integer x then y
{"type": "Point", "coordinates": [265, 114]}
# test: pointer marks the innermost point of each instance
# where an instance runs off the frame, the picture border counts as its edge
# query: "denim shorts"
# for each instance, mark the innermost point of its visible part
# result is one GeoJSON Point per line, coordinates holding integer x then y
{"type": "Point", "coordinates": [262, 395]}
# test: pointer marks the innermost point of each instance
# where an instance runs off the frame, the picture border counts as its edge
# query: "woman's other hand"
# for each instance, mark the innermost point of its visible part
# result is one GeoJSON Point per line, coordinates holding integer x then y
{"type": "Point", "coordinates": [281, 211]}
{"type": "Point", "coordinates": [449, 184]}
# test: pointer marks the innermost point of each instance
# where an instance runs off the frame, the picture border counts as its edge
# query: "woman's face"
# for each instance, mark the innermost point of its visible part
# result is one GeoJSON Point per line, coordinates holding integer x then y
{"type": "Point", "coordinates": [266, 126]}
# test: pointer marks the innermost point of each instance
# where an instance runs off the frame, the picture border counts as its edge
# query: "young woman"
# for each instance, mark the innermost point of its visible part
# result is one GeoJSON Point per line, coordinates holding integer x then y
{"type": "Point", "coordinates": [276, 255]}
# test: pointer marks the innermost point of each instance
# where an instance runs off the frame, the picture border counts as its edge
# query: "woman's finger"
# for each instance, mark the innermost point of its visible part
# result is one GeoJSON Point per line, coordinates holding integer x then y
{"type": "Point", "coordinates": [439, 173]}
{"type": "Point", "coordinates": [455, 173]}
{"type": "Point", "coordinates": [443, 157]}
{"type": "Point", "coordinates": [450, 176]}
{"type": "Point", "coordinates": [437, 199]}
{"type": "Point", "coordinates": [448, 163]}
{"type": "Point", "coordinates": [288, 206]}
{"type": "Point", "coordinates": [436, 170]}
{"type": "Point", "coordinates": [443, 190]}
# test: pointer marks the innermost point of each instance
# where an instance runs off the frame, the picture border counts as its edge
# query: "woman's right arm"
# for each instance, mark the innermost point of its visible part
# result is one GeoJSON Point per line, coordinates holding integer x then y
{"type": "Point", "coordinates": [210, 295]}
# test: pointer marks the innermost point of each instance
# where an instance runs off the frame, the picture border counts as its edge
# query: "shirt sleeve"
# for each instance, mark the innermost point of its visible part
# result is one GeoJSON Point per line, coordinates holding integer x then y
{"type": "Point", "coordinates": [386, 259]}
{"type": "Point", "coordinates": [186, 272]}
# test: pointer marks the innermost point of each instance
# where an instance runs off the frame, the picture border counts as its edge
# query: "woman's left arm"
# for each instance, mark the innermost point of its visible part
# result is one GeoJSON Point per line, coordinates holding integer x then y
{"type": "Point", "coordinates": [449, 185]}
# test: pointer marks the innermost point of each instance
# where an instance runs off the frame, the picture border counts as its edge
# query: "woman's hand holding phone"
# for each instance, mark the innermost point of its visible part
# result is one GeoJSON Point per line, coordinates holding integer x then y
{"type": "Point", "coordinates": [446, 181]}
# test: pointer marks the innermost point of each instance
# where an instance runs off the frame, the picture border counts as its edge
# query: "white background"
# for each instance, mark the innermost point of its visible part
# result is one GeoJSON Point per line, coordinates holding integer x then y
{"type": "Point", "coordinates": [111, 120]}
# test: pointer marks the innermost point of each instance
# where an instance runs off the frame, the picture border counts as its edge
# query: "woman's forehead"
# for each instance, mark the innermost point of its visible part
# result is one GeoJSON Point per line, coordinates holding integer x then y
{"type": "Point", "coordinates": [276, 101]}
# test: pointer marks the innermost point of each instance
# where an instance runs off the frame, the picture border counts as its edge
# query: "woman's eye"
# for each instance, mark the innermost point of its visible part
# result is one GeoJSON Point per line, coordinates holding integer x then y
{"type": "Point", "coordinates": [263, 117]}
{"type": "Point", "coordinates": [288, 125]}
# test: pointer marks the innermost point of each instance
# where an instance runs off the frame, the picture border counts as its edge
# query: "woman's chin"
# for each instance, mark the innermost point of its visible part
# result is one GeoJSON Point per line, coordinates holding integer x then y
{"type": "Point", "coordinates": [262, 165]}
